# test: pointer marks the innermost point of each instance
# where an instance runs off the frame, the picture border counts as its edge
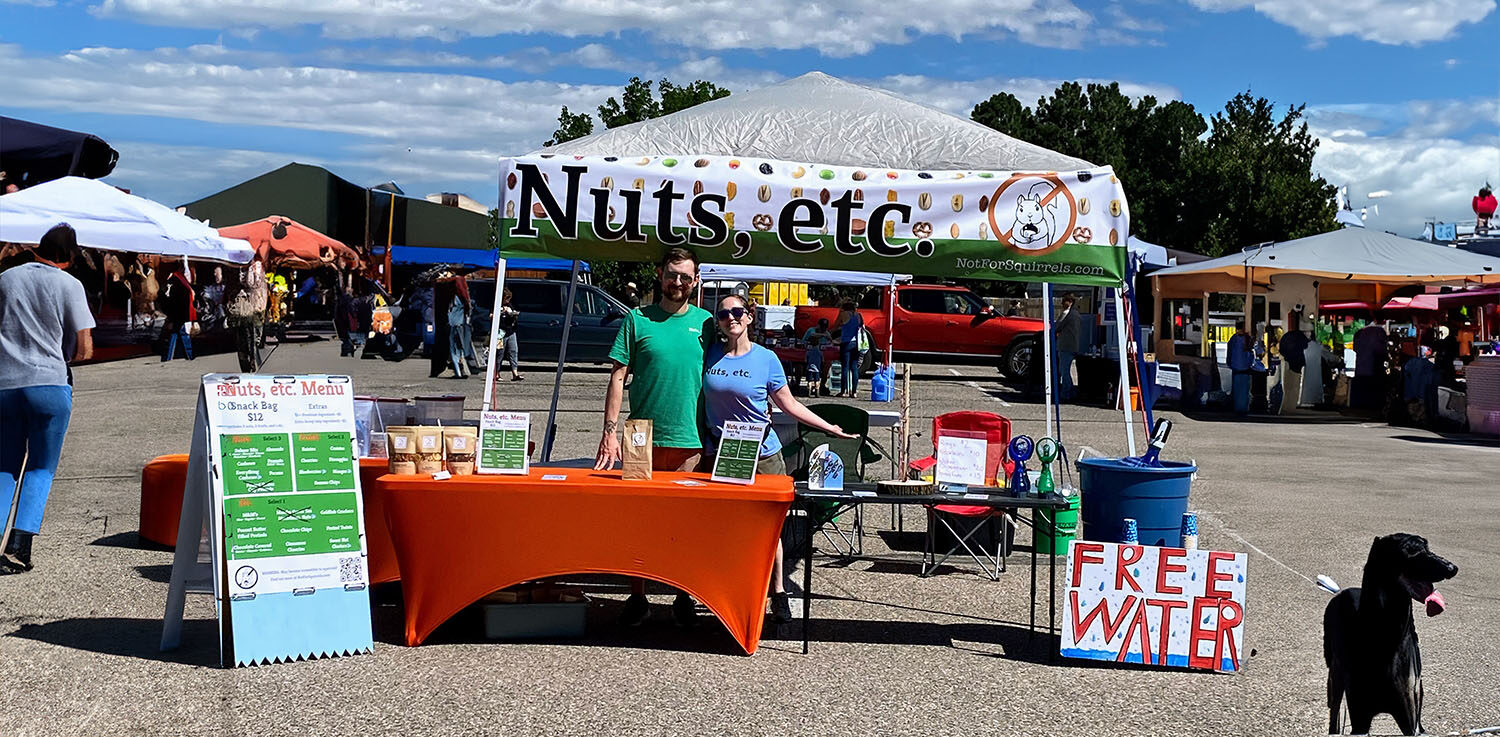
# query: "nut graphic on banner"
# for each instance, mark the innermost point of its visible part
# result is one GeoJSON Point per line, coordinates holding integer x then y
{"type": "Point", "coordinates": [1034, 213]}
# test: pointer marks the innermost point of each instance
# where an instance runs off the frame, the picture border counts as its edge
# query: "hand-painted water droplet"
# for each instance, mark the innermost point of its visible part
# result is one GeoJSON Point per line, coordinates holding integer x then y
{"type": "Point", "coordinates": [1101, 585]}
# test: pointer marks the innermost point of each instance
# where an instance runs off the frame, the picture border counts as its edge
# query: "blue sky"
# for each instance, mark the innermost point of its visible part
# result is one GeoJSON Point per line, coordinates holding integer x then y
{"type": "Point", "coordinates": [200, 94]}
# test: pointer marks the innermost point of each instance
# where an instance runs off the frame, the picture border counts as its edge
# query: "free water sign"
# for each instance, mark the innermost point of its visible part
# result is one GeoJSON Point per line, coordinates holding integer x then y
{"type": "Point", "coordinates": [1152, 605]}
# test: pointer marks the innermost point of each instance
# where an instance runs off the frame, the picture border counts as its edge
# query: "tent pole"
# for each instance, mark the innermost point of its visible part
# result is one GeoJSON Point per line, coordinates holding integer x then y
{"type": "Point", "coordinates": [562, 355]}
{"type": "Point", "coordinates": [1124, 370]}
{"type": "Point", "coordinates": [1147, 384]}
{"type": "Point", "coordinates": [1159, 325]}
{"type": "Point", "coordinates": [491, 369]}
{"type": "Point", "coordinates": [1047, 352]}
{"type": "Point", "coordinates": [890, 323]}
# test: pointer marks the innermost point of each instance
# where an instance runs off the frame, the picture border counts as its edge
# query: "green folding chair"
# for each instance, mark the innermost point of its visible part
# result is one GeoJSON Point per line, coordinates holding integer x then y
{"type": "Point", "coordinates": [856, 453]}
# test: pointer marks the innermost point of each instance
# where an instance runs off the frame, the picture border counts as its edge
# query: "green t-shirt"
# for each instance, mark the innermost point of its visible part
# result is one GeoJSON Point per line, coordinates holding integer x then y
{"type": "Point", "coordinates": [665, 356]}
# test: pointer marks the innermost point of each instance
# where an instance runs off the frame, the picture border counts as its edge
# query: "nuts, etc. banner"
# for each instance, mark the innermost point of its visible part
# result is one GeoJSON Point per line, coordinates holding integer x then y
{"type": "Point", "coordinates": [1021, 226]}
{"type": "Point", "coordinates": [1160, 606]}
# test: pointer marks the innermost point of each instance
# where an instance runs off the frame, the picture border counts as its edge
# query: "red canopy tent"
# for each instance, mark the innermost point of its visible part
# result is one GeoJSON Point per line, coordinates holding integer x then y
{"type": "Point", "coordinates": [287, 243]}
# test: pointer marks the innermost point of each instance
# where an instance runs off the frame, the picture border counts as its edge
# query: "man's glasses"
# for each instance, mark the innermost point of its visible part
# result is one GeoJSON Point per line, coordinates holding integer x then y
{"type": "Point", "coordinates": [677, 278]}
{"type": "Point", "coordinates": [737, 313]}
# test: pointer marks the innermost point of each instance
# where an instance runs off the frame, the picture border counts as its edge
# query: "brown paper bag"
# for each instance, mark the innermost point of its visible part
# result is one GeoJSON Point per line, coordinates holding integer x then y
{"type": "Point", "coordinates": [460, 444]}
{"type": "Point", "coordinates": [636, 449]}
{"type": "Point", "coordinates": [401, 445]}
{"type": "Point", "coordinates": [429, 449]}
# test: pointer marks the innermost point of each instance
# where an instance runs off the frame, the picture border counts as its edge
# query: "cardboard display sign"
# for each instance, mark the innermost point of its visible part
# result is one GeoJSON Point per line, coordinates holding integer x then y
{"type": "Point", "coordinates": [1153, 605]}
{"type": "Point", "coordinates": [739, 452]}
{"type": "Point", "coordinates": [504, 438]}
{"type": "Point", "coordinates": [273, 477]}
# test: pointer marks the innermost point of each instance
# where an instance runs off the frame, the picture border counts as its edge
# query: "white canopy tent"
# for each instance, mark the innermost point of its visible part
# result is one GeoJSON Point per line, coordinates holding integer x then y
{"type": "Point", "coordinates": [1353, 254]}
{"type": "Point", "coordinates": [107, 218]}
{"type": "Point", "coordinates": [819, 118]}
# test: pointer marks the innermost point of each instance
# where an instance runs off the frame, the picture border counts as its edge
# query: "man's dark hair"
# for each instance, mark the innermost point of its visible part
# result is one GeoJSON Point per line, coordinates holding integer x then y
{"type": "Point", "coordinates": [1484, 191]}
{"type": "Point", "coordinates": [58, 244]}
{"type": "Point", "coordinates": [1069, 299]}
{"type": "Point", "coordinates": [678, 255]}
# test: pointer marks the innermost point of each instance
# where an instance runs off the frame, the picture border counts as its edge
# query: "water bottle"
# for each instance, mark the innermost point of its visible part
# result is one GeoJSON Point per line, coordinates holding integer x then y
{"type": "Point", "coordinates": [880, 385]}
{"type": "Point", "coordinates": [1190, 530]}
{"type": "Point", "coordinates": [836, 377]}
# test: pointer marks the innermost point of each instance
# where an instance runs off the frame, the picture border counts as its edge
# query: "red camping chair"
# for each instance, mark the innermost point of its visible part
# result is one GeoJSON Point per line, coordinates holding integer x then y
{"type": "Point", "coordinates": [999, 521]}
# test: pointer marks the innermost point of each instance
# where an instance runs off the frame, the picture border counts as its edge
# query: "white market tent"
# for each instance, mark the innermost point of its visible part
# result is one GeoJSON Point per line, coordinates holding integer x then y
{"type": "Point", "coordinates": [109, 219]}
{"type": "Point", "coordinates": [1354, 254]}
{"type": "Point", "coordinates": [816, 117]}
{"type": "Point", "coordinates": [820, 118]}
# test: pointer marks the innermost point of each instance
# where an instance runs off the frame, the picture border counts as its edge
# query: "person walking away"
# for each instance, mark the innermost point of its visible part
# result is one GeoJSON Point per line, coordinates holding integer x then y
{"type": "Point", "coordinates": [1484, 209]}
{"type": "Point", "coordinates": [661, 346]}
{"type": "Point", "coordinates": [1293, 361]}
{"type": "Point", "coordinates": [211, 300]}
{"type": "Point", "coordinates": [245, 304]}
{"type": "Point", "coordinates": [848, 326]}
{"type": "Point", "coordinates": [511, 351]}
{"type": "Point", "coordinates": [44, 323]}
{"type": "Point", "coordinates": [458, 317]}
{"type": "Point", "coordinates": [740, 380]}
{"type": "Point", "coordinates": [345, 322]}
{"type": "Point", "coordinates": [466, 329]}
{"type": "Point", "coordinates": [816, 337]}
{"type": "Point", "coordinates": [1368, 388]}
{"type": "Point", "coordinates": [177, 306]}
{"type": "Point", "coordinates": [440, 354]}
{"type": "Point", "coordinates": [1067, 340]}
{"type": "Point", "coordinates": [1241, 359]}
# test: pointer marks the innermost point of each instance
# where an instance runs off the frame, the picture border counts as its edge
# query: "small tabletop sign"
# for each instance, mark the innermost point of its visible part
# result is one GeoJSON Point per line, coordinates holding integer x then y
{"type": "Point", "coordinates": [503, 440]}
{"type": "Point", "coordinates": [960, 458]}
{"type": "Point", "coordinates": [825, 470]}
{"type": "Point", "coordinates": [739, 452]}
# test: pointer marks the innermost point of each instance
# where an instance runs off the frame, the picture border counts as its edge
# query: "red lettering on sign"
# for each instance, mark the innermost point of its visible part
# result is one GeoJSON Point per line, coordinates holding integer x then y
{"type": "Point", "coordinates": [1165, 607]}
{"type": "Point", "coordinates": [1100, 612]}
{"type": "Point", "coordinates": [1092, 553]}
{"type": "Point", "coordinates": [1140, 628]}
{"type": "Point", "coordinates": [1230, 616]}
{"type": "Point", "coordinates": [1127, 555]}
{"type": "Point", "coordinates": [1164, 566]}
{"type": "Point", "coordinates": [1214, 575]}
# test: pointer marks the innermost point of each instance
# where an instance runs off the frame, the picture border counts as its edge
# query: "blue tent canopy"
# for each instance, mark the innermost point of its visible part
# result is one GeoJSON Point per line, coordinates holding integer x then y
{"type": "Point", "coordinates": [476, 257]}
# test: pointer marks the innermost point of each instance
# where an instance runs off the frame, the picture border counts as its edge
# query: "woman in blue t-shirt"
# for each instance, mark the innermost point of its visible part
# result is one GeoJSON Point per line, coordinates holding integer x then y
{"type": "Point", "coordinates": [848, 326]}
{"type": "Point", "coordinates": [740, 380]}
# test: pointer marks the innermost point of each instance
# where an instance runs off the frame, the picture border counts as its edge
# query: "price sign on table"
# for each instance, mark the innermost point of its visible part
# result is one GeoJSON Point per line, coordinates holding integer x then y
{"type": "Point", "coordinates": [739, 452]}
{"type": "Point", "coordinates": [503, 440]}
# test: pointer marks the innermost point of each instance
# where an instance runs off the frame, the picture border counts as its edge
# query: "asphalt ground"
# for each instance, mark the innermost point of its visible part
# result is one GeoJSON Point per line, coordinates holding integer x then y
{"type": "Point", "coordinates": [892, 653]}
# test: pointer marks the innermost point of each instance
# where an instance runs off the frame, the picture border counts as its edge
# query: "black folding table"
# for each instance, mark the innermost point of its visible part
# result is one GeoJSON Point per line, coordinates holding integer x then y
{"type": "Point", "coordinates": [854, 494]}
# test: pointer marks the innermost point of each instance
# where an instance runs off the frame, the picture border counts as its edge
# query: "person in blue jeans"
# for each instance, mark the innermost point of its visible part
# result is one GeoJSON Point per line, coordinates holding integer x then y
{"type": "Point", "coordinates": [44, 322]}
{"type": "Point", "coordinates": [848, 326]}
{"type": "Point", "coordinates": [740, 380]}
{"type": "Point", "coordinates": [1068, 331]}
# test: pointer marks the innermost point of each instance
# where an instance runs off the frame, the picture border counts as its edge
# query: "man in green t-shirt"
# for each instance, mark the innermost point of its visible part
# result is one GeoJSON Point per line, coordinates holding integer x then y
{"type": "Point", "coordinates": [661, 347]}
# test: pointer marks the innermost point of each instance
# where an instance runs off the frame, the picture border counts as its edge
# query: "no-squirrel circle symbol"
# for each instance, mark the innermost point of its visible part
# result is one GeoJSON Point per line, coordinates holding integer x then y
{"type": "Point", "coordinates": [246, 577]}
{"type": "Point", "coordinates": [1034, 213]}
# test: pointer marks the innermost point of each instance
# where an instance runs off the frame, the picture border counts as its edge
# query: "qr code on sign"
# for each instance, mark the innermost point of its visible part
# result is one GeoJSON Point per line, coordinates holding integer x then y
{"type": "Point", "coordinates": [351, 570]}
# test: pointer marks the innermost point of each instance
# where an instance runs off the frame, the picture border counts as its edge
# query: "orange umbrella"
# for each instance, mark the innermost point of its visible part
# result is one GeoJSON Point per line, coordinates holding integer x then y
{"type": "Point", "coordinates": [288, 243]}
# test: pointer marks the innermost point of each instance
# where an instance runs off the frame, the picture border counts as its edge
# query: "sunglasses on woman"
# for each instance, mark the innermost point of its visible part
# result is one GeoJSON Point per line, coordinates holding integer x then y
{"type": "Point", "coordinates": [737, 313]}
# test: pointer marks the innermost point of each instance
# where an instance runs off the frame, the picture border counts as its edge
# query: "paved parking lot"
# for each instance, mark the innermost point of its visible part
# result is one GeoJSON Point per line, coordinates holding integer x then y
{"type": "Point", "coordinates": [892, 652]}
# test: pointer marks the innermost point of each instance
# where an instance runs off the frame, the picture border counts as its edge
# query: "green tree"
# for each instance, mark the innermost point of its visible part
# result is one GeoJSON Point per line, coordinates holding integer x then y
{"type": "Point", "coordinates": [570, 125]}
{"type": "Point", "coordinates": [635, 103]}
{"type": "Point", "coordinates": [1256, 180]}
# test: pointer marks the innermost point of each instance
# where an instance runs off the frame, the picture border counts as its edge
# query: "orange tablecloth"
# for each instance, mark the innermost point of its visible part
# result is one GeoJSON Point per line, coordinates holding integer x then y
{"type": "Point", "coordinates": [460, 539]}
{"type": "Point", "coordinates": [161, 509]}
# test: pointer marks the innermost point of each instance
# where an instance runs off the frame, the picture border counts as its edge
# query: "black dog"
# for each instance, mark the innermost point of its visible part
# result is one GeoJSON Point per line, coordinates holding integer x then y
{"type": "Point", "coordinates": [1370, 640]}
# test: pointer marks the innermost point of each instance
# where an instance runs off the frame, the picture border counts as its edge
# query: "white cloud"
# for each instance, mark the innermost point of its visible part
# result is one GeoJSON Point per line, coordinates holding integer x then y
{"type": "Point", "coordinates": [833, 27]}
{"type": "Point", "coordinates": [1383, 21]}
{"type": "Point", "coordinates": [1431, 168]}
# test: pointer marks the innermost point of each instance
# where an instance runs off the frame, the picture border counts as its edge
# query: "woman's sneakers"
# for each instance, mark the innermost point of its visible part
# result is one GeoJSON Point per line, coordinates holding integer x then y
{"type": "Point", "coordinates": [781, 608]}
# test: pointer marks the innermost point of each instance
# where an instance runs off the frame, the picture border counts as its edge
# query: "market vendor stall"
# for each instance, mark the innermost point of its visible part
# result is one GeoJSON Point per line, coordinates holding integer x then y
{"type": "Point", "coordinates": [292, 245]}
{"type": "Point", "coordinates": [712, 540]}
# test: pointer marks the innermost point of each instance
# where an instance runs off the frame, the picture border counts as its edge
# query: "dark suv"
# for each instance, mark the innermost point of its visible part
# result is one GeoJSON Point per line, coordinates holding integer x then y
{"type": "Point", "coordinates": [596, 318]}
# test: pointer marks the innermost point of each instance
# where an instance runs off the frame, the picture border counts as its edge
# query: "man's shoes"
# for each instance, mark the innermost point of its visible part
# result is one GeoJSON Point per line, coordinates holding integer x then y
{"type": "Point", "coordinates": [781, 608]}
{"type": "Point", "coordinates": [684, 611]}
{"type": "Point", "coordinates": [637, 609]}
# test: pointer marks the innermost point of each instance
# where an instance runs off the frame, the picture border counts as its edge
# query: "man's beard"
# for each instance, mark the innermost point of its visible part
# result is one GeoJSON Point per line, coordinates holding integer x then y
{"type": "Point", "coordinates": [676, 292]}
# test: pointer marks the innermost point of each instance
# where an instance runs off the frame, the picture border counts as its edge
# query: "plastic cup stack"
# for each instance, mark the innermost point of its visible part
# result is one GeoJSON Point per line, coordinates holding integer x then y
{"type": "Point", "coordinates": [1190, 530]}
{"type": "Point", "coordinates": [1131, 532]}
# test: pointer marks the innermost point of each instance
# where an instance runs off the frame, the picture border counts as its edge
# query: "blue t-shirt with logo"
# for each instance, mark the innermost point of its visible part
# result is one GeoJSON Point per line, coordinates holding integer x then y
{"type": "Point", "coordinates": [739, 388]}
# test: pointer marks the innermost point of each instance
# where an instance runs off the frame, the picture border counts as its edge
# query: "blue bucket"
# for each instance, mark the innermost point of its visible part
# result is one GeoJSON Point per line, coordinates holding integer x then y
{"type": "Point", "coordinates": [1155, 497]}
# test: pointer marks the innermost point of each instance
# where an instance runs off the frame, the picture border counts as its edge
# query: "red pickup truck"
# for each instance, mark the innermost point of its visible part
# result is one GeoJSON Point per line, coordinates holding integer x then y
{"type": "Point", "coordinates": [940, 324]}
